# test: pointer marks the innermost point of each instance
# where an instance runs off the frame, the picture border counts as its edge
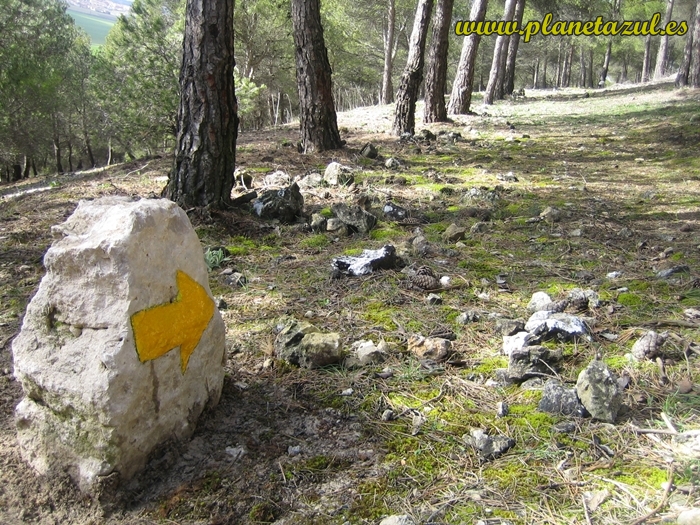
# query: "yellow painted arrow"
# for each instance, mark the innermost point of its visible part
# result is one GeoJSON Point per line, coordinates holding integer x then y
{"type": "Point", "coordinates": [161, 328]}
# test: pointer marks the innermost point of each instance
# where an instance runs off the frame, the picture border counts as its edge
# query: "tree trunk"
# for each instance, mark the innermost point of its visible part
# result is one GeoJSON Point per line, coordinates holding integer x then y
{"type": "Point", "coordinates": [389, 37]}
{"type": "Point", "coordinates": [536, 74]}
{"type": "Point", "coordinates": [461, 96]}
{"type": "Point", "coordinates": [207, 117]}
{"type": "Point", "coordinates": [513, 44]}
{"type": "Point", "coordinates": [56, 146]}
{"type": "Point", "coordinates": [436, 76]}
{"type": "Point", "coordinates": [606, 64]}
{"type": "Point", "coordinates": [498, 50]}
{"type": "Point", "coordinates": [317, 117]}
{"type": "Point", "coordinates": [684, 70]}
{"type": "Point", "coordinates": [662, 55]}
{"type": "Point", "coordinates": [568, 64]}
{"type": "Point", "coordinates": [544, 72]}
{"type": "Point", "coordinates": [560, 69]}
{"type": "Point", "coordinates": [499, 92]}
{"type": "Point", "coordinates": [582, 68]}
{"type": "Point", "coordinates": [646, 62]}
{"type": "Point", "coordinates": [591, 75]}
{"type": "Point", "coordinates": [694, 74]}
{"type": "Point", "coordinates": [27, 167]}
{"type": "Point", "coordinates": [404, 118]}
{"type": "Point", "coordinates": [16, 172]}
{"type": "Point", "coordinates": [88, 148]}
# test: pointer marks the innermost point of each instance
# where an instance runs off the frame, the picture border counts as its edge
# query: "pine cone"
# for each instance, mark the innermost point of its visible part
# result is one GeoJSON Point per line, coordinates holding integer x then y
{"type": "Point", "coordinates": [425, 270]}
{"type": "Point", "coordinates": [426, 282]}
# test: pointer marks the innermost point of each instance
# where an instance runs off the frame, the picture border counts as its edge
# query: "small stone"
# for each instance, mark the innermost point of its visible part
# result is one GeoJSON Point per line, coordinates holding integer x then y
{"type": "Point", "coordinates": [284, 204]}
{"type": "Point", "coordinates": [479, 227]}
{"type": "Point", "coordinates": [347, 392]}
{"type": "Point", "coordinates": [433, 299]}
{"type": "Point", "coordinates": [395, 212]}
{"type": "Point", "coordinates": [509, 327]}
{"type": "Point", "coordinates": [220, 303]}
{"type": "Point", "coordinates": [685, 386]}
{"type": "Point", "coordinates": [236, 452]}
{"type": "Point", "coordinates": [563, 326]}
{"type": "Point", "coordinates": [334, 224]}
{"type": "Point", "coordinates": [365, 454]}
{"type": "Point", "coordinates": [369, 150]}
{"type": "Point", "coordinates": [454, 233]}
{"type": "Point", "coordinates": [551, 214]}
{"type": "Point", "coordinates": [556, 399]}
{"type": "Point", "coordinates": [614, 275]}
{"type": "Point", "coordinates": [388, 415]}
{"type": "Point", "coordinates": [293, 450]}
{"type": "Point", "coordinates": [392, 164]}
{"type": "Point", "coordinates": [355, 217]}
{"type": "Point", "coordinates": [682, 268]}
{"type": "Point", "coordinates": [400, 519]}
{"type": "Point", "coordinates": [530, 361]}
{"type": "Point", "coordinates": [502, 409]}
{"type": "Point", "coordinates": [309, 314]}
{"type": "Point", "coordinates": [430, 347]}
{"type": "Point", "coordinates": [538, 301]}
{"type": "Point", "coordinates": [564, 427]}
{"type": "Point", "coordinates": [467, 317]}
{"type": "Point", "coordinates": [318, 223]}
{"type": "Point", "coordinates": [367, 262]}
{"type": "Point", "coordinates": [599, 392]}
{"type": "Point", "coordinates": [337, 175]}
{"type": "Point", "coordinates": [689, 517]}
{"type": "Point", "coordinates": [515, 342]}
{"type": "Point", "coordinates": [278, 178]}
{"type": "Point", "coordinates": [488, 447]}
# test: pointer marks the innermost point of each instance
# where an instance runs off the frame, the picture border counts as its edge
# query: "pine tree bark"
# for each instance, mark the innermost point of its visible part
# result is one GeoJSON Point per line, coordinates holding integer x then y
{"type": "Point", "coordinates": [404, 117]}
{"type": "Point", "coordinates": [513, 44]}
{"type": "Point", "coordinates": [461, 96]}
{"type": "Point", "coordinates": [684, 70]}
{"type": "Point", "coordinates": [498, 50]}
{"type": "Point", "coordinates": [646, 61]}
{"type": "Point", "coordinates": [694, 73]}
{"type": "Point", "coordinates": [662, 55]}
{"type": "Point", "coordinates": [436, 76]}
{"type": "Point", "coordinates": [207, 118]}
{"type": "Point", "coordinates": [317, 118]}
{"type": "Point", "coordinates": [389, 37]}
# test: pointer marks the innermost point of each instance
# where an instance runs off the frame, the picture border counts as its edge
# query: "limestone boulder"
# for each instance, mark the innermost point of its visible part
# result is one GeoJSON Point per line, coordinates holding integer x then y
{"type": "Point", "coordinates": [599, 392]}
{"type": "Point", "coordinates": [122, 347]}
{"type": "Point", "coordinates": [301, 343]}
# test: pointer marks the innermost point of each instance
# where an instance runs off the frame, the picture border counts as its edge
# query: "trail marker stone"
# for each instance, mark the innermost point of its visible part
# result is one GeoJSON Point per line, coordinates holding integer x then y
{"type": "Point", "coordinates": [122, 347]}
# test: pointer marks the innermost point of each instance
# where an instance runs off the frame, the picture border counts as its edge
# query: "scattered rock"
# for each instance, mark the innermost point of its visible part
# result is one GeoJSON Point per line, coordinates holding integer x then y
{"type": "Point", "coordinates": [435, 348]}
{"type": "Point", "coordinates": [508, 327]}
{"type": "Point", "coordinates": [236, 280]}
{"type": "Point", "coordinates": [433, 299]}
{"type": "Point", "coordinates": [580, 299]}
{"type": "Point", "coordinates": [367, 262]}
{"type": "Point", "coordinates": [426, 134]}
{"type": "Point", "coordinates": [365, 353]}
{"type": "Point", "coordinates": [369, 150]}
{"type": "Point", "coordinates": [285, 204]}
{"type": "Point", "coordinates": [393, 212]}
{"type": "Point", "coordinates": [502, 409]}
{"type": "Point", "coordinates": [312, 180]}
{"type": "Point", "coordinates": [689, 517]}
{"type": "Point", "coordinates": [539, 302]}
{"type": "Point", "coordinates": [388, 415]}
{"type": "Point", "coordinates": [488, 447]}
{"type": "Point", "coordinates": [517, 341]}
{"type": "Point", "coordinates": [318, 223]}
{"type": "Point", "coordinates": [649, 345]}
{"type": "Point", "coordinates": [399, 519]}
{"type": "Point", "coordinates": [479, 227]}
{"type": "Point", "coordinates": [470, 316]}
{"type": "Point", "coordinates": [532, 361]}
{"type": "Point", "coordinates": [393, 164]}
{"type": "Point", "coordinates": [563, 326]}
{"type": "Point", "coordinates": [507, 177]}
{"type": "Point", "coordinates": [301, 343]}
{"type": "Point", "coordinates": [278, 179]}
{"type": "Point", "coordinates": [338, 175]}
{"type": "Point", "coordinates": [668, 272]}
{"type": "Point", "coordinates": [687, 443]}
{"type": "Point", "coordinates": [358, 219]}
{"type": "Point", "coordinates": [454, 233]}
{"type": "Point", "coordinates": [557, 399]}
{"type": "Point", "coordinates": [551, 214]}
{"type": "Point", "coordinates": [598, 390]}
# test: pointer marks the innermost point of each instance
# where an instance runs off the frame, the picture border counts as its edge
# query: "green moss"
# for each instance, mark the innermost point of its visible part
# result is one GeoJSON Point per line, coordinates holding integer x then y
{"type": "Point", "coordinates": [380, 314]}
{"type": "Point", "coordinates": [386, 233]}
{"type": "Point", "coordinates": [262, 513]}
{"type": "Point", "coordinates": [326, 212]}
{"type": "Point", "coordinates": [630, 299]}
{"type": "Point", "coordinates": [239, 246]}
{"type": "Point", "coordinates": [352, 252]}
{"type": "Point", "coordinates": [315, 241]}
{"type": "Point", "coordinates": [370, 503]}
{"type": "Point", "coordinates": [489, 365]}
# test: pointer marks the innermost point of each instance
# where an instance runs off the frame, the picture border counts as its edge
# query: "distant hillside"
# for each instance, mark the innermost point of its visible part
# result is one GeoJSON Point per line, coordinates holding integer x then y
{"type": "Point", "coordinates": [97, 25]}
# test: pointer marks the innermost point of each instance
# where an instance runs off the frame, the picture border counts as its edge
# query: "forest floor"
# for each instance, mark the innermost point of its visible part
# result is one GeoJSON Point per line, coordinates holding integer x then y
{"type": "Point", "coordinates": [623, 166]}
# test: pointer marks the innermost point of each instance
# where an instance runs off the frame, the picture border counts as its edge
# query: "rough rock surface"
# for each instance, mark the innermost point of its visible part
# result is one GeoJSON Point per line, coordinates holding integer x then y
{"type": "Point", "coordinates": [551, 324]}
{"type": "Point", "coordinates": [302, 344]}
{"type": "Point", "coordinates": [337, 175]}
{"type": "Point", "coordinates": [488, 447]}
{"type": "Point", "coordinates": [121, 348]}
{"type": "Point", "coordinates": [557, 399]}
{"type": "Point", "coordinates": [355, 217]}
{"type": "Point", "coordinates": [435, 348]}
{"type": "Point", "coordinates": [367, 353]}
{"type": "Point", "coordinates": [398, 519]}
{"type": "Point", "coordinates": [285, 204]}
{"type": "Point", "coordinates": [532, 361]}
{"type": "Point", "coordinates": [598, 390]}
{"type": "Point", "coordinates": [454, 233]}
{"type": "Point", "coordinates": [368, 261]}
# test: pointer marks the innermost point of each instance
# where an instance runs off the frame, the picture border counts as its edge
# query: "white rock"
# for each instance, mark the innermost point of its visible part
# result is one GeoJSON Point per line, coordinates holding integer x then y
{"type": "Point", "coordinates": [336, 174]}
{"type": "Point", "coordinates": [399, 519]}
{"type": "Point", "coordinates": [689, 517]}
{"type": "Point", "coordinates": [91, 406]}
{"type": "Point", "coordinates": [277, 179]}
{"type": "Point", "coordinates": [539, 301]}
{"type": "Point", "coordinates": [516, 342]}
